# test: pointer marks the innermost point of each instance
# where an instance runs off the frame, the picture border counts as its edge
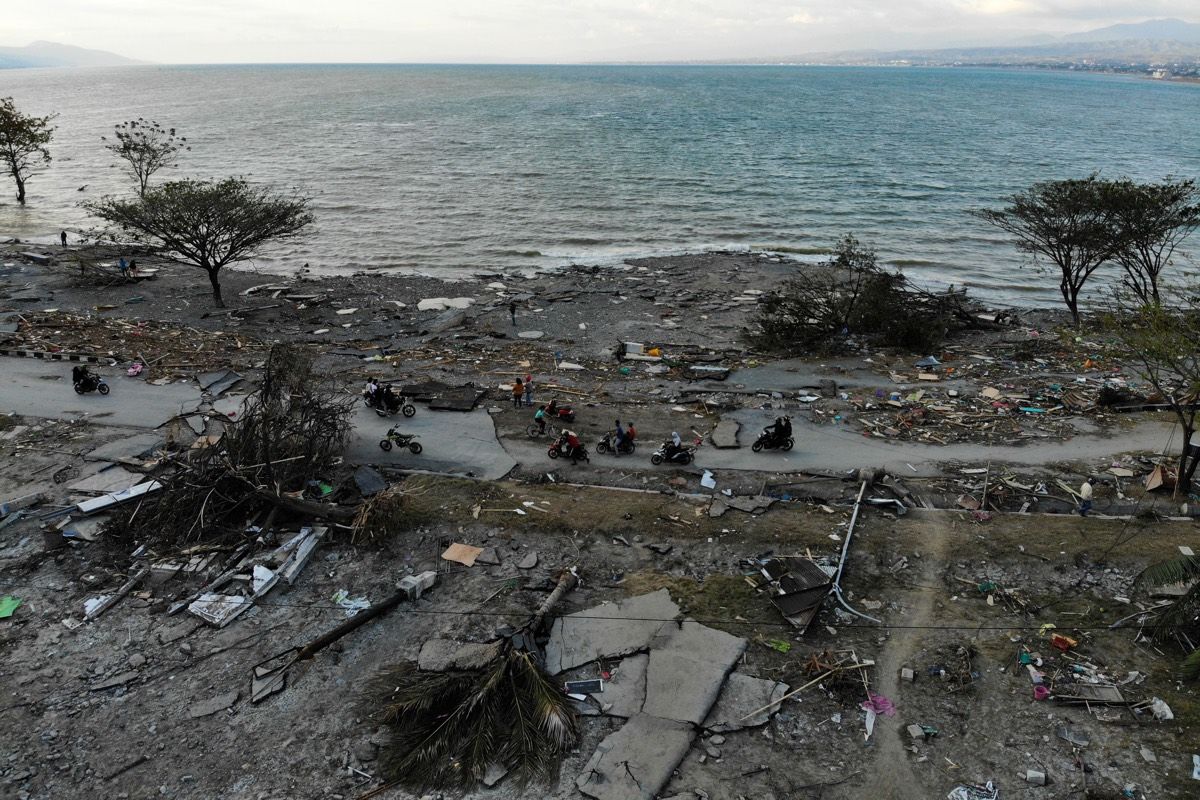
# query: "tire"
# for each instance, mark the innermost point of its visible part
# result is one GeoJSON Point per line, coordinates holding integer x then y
{"type": "Point", "coordinates": [414, 448]}
{"type": "Point", "coordinates": [632, 448]}
{"type": "Point", "coordinates": [656, 459]}
{"type": "Point", "coordinates": [385, 445]}
{"type": "Point", "coordinates": [602, 447]}
{"type": "Point", "coordinates": [757, 447]}
{"type": "Point", "coordinates": [79, 388]}
{"type": "Point", "coordinates": [787, 445]}
{"type": "Point", "coordinates": [102, 388]}
{"type": "Point", "coordinates": [408, 410]}
{"type": "Point", "coordinates": [687, 458]}
{"type": "Point", "coordinates": [379, 411]}
{"type": "Point", "coordinates": [552, 452]}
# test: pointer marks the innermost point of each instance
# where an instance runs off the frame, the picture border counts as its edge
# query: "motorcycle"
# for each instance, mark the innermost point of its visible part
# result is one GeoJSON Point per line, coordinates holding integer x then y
{"type": "Point", "coordinates": [605, 445]}
{"type": "Point", "coordinates": [676, 455]}
{"type": "Point", "coordinates": [385, 407]}
{"type": "Point", "coordinates": [770, 442]}
{"type": "Point", "coordinates": [394, 437]}
{"type": "Point", "coordinates": [559, 447]}
{"type": "Point", "coordinates": [91, 383]}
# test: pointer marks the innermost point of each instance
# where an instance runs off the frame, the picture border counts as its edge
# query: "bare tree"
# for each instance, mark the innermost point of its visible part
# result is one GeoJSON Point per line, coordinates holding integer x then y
{"type": "Point", "coordinates": [145, 147]}
{"type": "Point", "coordinates": [207, 223]}
{"type": "Point", "coordinates": [1067, 222]}
{"type": "Point", "coordinates": [23, 140]}
{"type": "Point", "coordinates": [1151, 219]}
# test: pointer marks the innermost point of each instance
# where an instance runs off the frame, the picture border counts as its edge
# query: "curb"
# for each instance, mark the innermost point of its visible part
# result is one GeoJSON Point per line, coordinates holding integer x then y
{"type": "Point", "coordinates": [48, 356]}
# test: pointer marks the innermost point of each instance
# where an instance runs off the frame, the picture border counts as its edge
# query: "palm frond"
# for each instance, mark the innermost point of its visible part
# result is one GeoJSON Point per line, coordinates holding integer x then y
{"type": "Point", "coordinates": [1175, 570]}
{"type": "Point", "coordinates": [449, 728]}
{"type": "Point", "coordinates": [1191, 666]}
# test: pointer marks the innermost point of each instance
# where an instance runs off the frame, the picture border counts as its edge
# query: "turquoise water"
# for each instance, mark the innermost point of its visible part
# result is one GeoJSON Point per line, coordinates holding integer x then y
{"type": "Point", "coordinates": [453, 169]}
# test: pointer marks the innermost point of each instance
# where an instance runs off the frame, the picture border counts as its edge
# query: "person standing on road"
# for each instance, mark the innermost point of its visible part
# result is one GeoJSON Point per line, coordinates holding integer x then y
{"type": "Point", "coordinates": [512, 311]}
{"type": "Point", "coordinates": [1085, 497]}
{"type": "Point", "coordinates": [528, 390]}
{"type": "Point", "coordinates": [518, 392]}
{"type": "Point", "coordinates": [63, 236]}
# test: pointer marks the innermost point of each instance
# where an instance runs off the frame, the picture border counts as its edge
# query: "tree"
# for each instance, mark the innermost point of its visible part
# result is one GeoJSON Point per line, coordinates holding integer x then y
{"type": "Point", "coordinates": [1151, 220]}
{"type": "Point", "coordinates": [146, 147]}
{"type": "Point", "coordinates": [23, 140]}
{"type": "Point", "coordinates": [1184, 613]}
{"type": "Point", "coordinates": [1164, 344]}
{"type": "Point", "coordinates": [207, 223]}
{"type": "Point", "coordinates": [1067, 222]}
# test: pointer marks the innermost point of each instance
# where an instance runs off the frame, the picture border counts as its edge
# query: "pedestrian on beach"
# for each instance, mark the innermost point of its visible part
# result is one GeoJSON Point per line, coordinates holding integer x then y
{"type": "Point", "coordinates": [63, 235]}
{"type": "Point", "coordinates": [528, 389]}
{"type": "Point", "coordinates": [518, 392]}
{"type": "Point", "coordinates": [512, 311]}
{"type": "Point", "coordinates": [132, 268]}
{"type": "Point", "coordinates": [1085, 497]}
{"type": "Point", "coordinates": [123, 267]}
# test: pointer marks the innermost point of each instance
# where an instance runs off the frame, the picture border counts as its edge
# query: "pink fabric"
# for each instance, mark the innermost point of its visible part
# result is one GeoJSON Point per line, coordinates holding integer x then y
{"type": "Point", "coordinates": [879, 704]}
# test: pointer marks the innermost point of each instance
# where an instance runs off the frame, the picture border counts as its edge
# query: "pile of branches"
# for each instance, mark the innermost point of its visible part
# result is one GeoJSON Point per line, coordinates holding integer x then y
{"type": "Point", "coordinates": [850, 296]}
{"type": "Point", "coordinates": [292, 432]}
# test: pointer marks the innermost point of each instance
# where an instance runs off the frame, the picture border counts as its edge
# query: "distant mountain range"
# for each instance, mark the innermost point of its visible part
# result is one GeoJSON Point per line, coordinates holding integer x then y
{"type": "Point", "coordinates": [52, 54]}
{"type": "Point", "coordinates": [1159, 41]}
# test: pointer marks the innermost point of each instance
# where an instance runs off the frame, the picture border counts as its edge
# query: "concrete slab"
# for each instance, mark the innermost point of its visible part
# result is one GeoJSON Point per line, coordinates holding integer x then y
{"type": "Point", "coordinates": [109, 480]}
{"type": "Point", "coordinates": [127, 447]}
{"type": "Point", "coordinates": [725, 435]}
{"type": "Point", "coordinates": [609, 630]}
{"type": "Point", "coordinates": [625, 692]}
{"type": "Point", "coordinates": [636, 762]}
{"type": "Point", "coordinates": [741, 695]}
{"type": "Point", "coordinates": [221, 702]}
{"type": "Point", "coordinates": [439, 655]}
{"type": "Point", "coordinates": [688, 666]}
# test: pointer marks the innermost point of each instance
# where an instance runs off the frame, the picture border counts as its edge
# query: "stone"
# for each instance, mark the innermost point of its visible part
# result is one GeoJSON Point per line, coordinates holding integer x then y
{"type": "Point", "coordinates": [741, 695]}
{"type": "Point", "coordinates": [531, 334]}
{"type": "Point", "coordinates": [717, 740]}
{"type": "Point", "coordinates": [625, 692]}
{"type": "Point", "coordinates": [415, 585]}
{"type": "Point", "coordinates": [136, 660]}
{"type": "Point", "coordinates": [637, 761]}
{"type": "Point", "coordinates": [688, 666]}
{"type": "Point", "coordinates": [907, 674]}
{"type": "Point", "coordinates": [529, 561]}
{"type": "Point", "coordinates": [494, 774]}
{"type": "Point", "coordinates": [828, 387]}
{"type": "Point", "coordinates": [364, 751]}
{"type": "Point", "coordinates": [489, 557]}
{"type": "Point", "coordinates": [712, 752]}
{"type": "Point", "coordinates": [440, 655]}
{"type": "Point", "coordinates": [221, 702]}
{"type": "Point", "coordinates": [609, 630]}
{"type": "Point", "coordinates": [916, 733]}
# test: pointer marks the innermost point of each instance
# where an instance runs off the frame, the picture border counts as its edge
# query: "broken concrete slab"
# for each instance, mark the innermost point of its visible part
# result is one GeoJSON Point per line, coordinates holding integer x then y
{"type": "Point", "coordinates": [489, 557]}
{"type": "Point", "coordinates": [127, 448]}
{"type": "Point", "coordinates": [221, 702]}
{"type": "Point", "coordinates": [105, 481]}
{"type": "Point", "coordinates": [688, 666]}
{"type": "Point", "coordinates": [114, 681]}
{"type": "Point", "coordinates": [369, 481]}
{"type": "Point", "coordinates": [217, 383]}
{"type": "Point", "coordinates": [608, 630]}
{"type": "Point", "coordinates": [529, 561]}
{"type": "Point", "coordinates": [625, 692]}
{"type": "Point", "coordinates": [725, 435]}
{"type": "Point", "coordinates": [636, 761]}
{"type": "Point", "coordinates": [440, 655]}
{"type": "Point", "coordinates": [443, 303]}
{"type": "Point", "coordinates": [742, 695]}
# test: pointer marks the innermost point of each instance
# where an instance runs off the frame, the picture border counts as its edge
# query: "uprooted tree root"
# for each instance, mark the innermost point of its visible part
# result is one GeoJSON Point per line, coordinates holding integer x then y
{"type": "Point", "coordinates": [293, 431]}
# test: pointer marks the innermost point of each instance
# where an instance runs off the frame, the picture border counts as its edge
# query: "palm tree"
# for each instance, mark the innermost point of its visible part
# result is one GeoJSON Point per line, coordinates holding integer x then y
{"type": "Point", "coordinates": [1182, 614]}
{"type": "Point", "coordinates": [450, 728]}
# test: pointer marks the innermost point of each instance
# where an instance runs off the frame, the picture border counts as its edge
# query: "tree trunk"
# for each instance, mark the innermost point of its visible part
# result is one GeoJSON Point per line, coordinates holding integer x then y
{"type": "Point", "coordinates": [215, 279]}
{"type": "Point", "coordinates": [1071, 297]}
{"type": "Point", "coordinates": [20, 188]}
{"type": "Point", "coordinates": [1187, 464]}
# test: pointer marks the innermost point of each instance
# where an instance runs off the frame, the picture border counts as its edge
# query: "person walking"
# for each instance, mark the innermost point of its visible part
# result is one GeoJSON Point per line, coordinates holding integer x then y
{"type": "Point", "coordinates": [1085, 497]}
{"type": "Point", "coordinates": [512, 311]}
{"type": "Point", "coordinates": [528, 390]}
{"type": "Point", "coordinates": [518, 392]}
{"type": "Point", "coordinates": [63, 236]}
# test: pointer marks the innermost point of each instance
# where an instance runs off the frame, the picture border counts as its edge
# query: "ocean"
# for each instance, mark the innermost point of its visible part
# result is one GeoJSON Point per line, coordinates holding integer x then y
{"type": "Point", "coordinates": [453, 170]}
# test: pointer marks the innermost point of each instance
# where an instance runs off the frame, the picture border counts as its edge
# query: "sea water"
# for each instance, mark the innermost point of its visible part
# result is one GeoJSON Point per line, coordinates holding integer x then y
{"type": "Point", "coordinates": [453, 170]}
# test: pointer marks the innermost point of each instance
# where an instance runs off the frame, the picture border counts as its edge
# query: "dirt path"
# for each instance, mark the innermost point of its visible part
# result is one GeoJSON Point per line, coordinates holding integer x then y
{"type": "Point", "coordinates": [889, 774]}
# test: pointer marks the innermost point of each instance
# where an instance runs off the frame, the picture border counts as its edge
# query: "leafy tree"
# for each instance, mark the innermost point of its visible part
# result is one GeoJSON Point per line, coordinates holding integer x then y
{"type": "Point", "coordinates": [1184, 613]}
{"type": "Point", "coordinates": [23, 140]}
{"type": "Point", "coordinates": [1164, 345]}
{"type": "Point", "coordinates": [145, 147]}
{"type": "Point", "coordinates": [207, 223]}
{"type": "Point", "coordinates": [1070, 223]}
{"type": "Point", "coordinates": [1151, 220]}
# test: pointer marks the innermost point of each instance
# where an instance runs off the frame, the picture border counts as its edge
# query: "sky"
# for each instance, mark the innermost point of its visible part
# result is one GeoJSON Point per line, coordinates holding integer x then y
{"type": "Point", "coordinates": [548, 31]}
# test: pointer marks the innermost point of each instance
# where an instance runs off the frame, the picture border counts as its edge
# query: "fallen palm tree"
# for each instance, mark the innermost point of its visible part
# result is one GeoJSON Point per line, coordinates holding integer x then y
{"type": "Point", "coordinates": [452, 728]}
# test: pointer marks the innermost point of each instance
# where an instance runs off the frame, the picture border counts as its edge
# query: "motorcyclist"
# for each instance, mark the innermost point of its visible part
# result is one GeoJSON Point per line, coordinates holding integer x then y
{"type": "Point", "coordinates": [630, 432]}
{"type": "Point", "coordinates": [389, 398]}
{"type": "Point", "coordinates": [574, 446]}
{"type": "Point", "coordinates": [372, 391]}
{"type": "Point", "coordinates": [673, 447]}
{"type": "Point", "coordinates": [772, 431]}
{"type": "Point", "coordinates": [785, 431]}
{"type": "Point", "coordinates": [80, 374]}
{"type": "Point", "coordinates": [619, 437]}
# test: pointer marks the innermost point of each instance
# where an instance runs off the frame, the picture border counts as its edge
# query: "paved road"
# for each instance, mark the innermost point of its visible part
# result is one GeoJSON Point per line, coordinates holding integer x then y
{"type": "Point", "coordinates": [36, 388]}
{"type": "Point", "coordinates": [452, 441]}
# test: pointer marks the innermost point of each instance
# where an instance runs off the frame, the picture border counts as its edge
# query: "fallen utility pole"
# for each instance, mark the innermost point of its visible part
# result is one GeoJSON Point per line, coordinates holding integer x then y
{"type": "Point", "coordinates": [837, 580]}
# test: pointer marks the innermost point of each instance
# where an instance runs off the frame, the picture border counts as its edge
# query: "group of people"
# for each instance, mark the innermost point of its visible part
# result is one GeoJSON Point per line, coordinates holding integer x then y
{"type": "Point", "coordinates": [522, 391]}
{"type": "Point", "coordinates": [548, 411]}
{"type": "Point", "coordinates": [381, 396]}
{"type": "Point", "coordinates": [780, 430]}
{"type": "Point", "coordinates": [128, 269]}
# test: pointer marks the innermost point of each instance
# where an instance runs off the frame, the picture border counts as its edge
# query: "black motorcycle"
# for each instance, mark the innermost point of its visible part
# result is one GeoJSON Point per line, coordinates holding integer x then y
{"type": "Point", "coordinates": [605, 445]}
{"type": "Point", "coordinates": [770, 441]}
{"type": "Point", "coordinates": [90, 383]}
{"type": "Point", "coordinates": [386, 404]}
{"type": "Point", "coordinates": [675, 455]}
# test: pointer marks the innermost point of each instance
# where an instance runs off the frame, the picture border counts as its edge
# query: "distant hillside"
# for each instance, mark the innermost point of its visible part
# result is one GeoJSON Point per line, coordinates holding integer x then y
{"type": "Point", "coordinates": [1164, 30]}
{"type": "Point", "coordinates": [52, 54]}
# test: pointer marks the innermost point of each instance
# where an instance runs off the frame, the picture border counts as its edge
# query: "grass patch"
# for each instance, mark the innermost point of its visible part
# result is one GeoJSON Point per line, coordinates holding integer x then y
{"type": "Point", "coordinates": [721, 601]}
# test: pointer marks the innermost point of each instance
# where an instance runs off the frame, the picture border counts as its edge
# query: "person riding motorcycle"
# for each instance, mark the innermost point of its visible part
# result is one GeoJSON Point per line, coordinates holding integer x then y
{"type": "Point", "coordinates": [780, 430]}
{"type": "Point", "coordinates": [573, 445]}
{"type": "Point", "coordinates": [619, 437]}
{"type": "Point", "coordinates": [671, 448]}
{"type": "Point", "coordinates": [389, 400]}
{"type": "Point", "coordinates": [372, 390]}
